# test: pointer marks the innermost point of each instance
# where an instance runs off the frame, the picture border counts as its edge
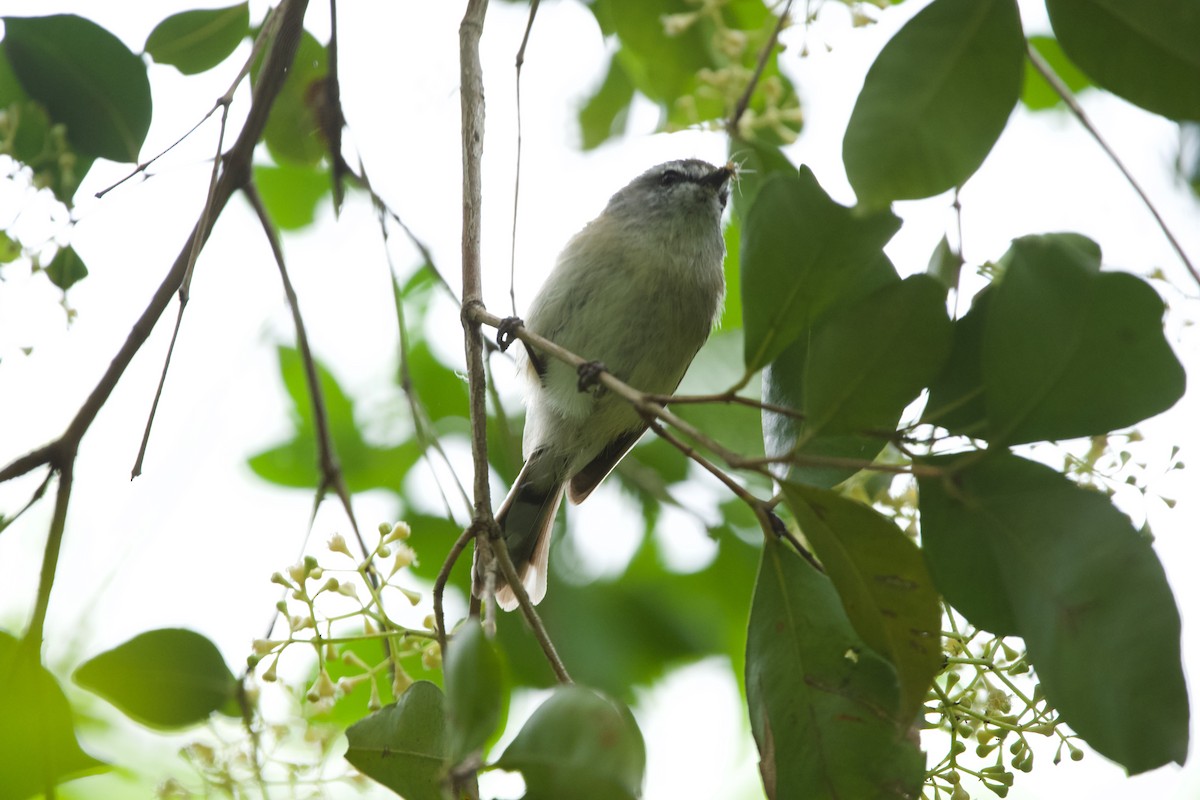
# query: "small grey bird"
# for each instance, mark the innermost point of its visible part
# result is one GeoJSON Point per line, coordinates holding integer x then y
{"type": "Point", "coordinates": [637, 290]}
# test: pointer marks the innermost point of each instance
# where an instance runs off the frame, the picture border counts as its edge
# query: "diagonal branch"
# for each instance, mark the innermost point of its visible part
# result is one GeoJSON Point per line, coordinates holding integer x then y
{"type": "Point", "coordinates": [1063, 91]}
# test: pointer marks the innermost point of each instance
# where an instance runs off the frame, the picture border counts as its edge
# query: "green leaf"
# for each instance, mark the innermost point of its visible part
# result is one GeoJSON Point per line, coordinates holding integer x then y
{"type": "Point", "coordinates": [66, 268]}
{"type": "Point", "coordinates": [195, 41]}
{"type": "Point", "coordinates": [167, 678]}
{"type": "Point", "coordinates": [945, 264]}
{"type": "Point", "coordinates": [1145, 51]}
{"type": "Point", "coordinates": [292, 133]}
{"type": "Point", "coordinates": [956, 395]}
{"type": "Point", "coordinates": [580, 745]}
{"type": "Point", "coordinates": [604, 114]}
{"type": "Point", "coordinates": [822, 703]}
{"type": "Point", "coordinates": [662, 67]}
{"type": "Point", "coordinates": [38, 748]}
{"type": "Point", "coordinates": [885, 588]}
{"type": "Point", "coordinates": [295, 463]}
{"type": "Point", "coordinates": [854, 375]}
{"type": "Point", "coordinates": [402, 746]}
{"type": "Point", "coordinates": [291, 192]}
{"type": "Point", "coordinates": [87, 80]}
{"type": "Point", "coordinates": [935, 101]}
{"type": "Point", "coordinates": [1038, 94]}
{"type": "Point", "coordinates": [1020, 549]}
{"type": "Point", "coordinates": [475, 696]}
{"type": "Point", "coordinates": [1070, 351]}
{"type": "Point", "coordinates": [803, 254]}
{"type": "Point", "coordinates": [10, 248]}
{"type": "Point", "coordinates": [756, 162]}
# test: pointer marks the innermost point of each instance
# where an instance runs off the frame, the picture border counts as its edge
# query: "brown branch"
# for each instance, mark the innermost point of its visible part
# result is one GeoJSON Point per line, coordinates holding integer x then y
{"type": "Point", "coordinates": [531, 616]}
{"type": "Point", "coordinates": [763, 57]}
{"type": "Point", "coordinates": [331, 470]}
{"type": "Point", "coordinates": [58, 525]}
{"type": "Point", "coordinates": [1063, 91]}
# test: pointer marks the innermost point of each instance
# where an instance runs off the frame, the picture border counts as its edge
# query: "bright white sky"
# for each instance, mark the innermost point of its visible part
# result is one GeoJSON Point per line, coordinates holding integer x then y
{"type": "Point", "coordinates": [192, 542]}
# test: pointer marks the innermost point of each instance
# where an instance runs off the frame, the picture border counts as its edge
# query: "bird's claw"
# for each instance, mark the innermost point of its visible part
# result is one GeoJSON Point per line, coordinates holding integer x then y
{"type": "Point", "coordinates": [589, 373]}
{"type": "Point", "coordinates": [506, 331]}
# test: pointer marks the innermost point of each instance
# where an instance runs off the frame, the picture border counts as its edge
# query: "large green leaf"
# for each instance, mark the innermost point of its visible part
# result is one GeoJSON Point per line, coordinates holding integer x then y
{"type": "Point", "coordinates": [167, 678]}
{"type": "Point", "coordinates": [1057, 349]}
{"type": "Point", "coordinates": [803, 255]}
{"type": "Point", "coordinates": [1071, 351]}
{"type": "Point", "coordinates": [87, 80]}
{"type": "Point", "coordinates": [38, 748]}
{"type": "Point", "coordinates": [1020, 549]}
{"type": "Point", "coordinates": [935, 101]}
{"type": "Point", "coordinates": [823, 705]}
{"type": "Point", "coordinates": [580, 745]}
{"type": "Point", "coordinates": [475, 695]}
{"type": "Point", "coordinates": [854, 375]}
{"type": "Point", "coordinates": [403, 746]}
{"type": "Point", "coordinates": [885, 588]}
{"type": "Point", "coordinates": [195, 41]}
{"type": "Point", "coordinates": [1144, 51]}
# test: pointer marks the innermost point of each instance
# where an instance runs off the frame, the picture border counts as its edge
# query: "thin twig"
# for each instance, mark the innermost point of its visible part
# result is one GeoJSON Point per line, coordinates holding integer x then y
{"type": "Point", "coordinates": [1063, 91]}
{"type": "Point", "coordinates": [37, 495]}
{"type": "Point", "coordinates": [512, 265]}
{"type": "Point", "coordinates": [763, 57]}
{"type": "Point", "coordinates": [531, 616]}
{"type": "Point", "coordinates": [726, 398]}
{"type": "Point", "coordinates": [331, 470]}
{"type": "Point", "coordinates": [443, 577]}
{"type": "Point", "coordinates": [184, 292]}
{"type": "Point", "coordinates": [58, 526]}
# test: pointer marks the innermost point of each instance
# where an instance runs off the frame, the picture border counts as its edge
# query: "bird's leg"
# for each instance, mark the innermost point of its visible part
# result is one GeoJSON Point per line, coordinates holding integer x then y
{"type": "Point", "coordinates": [506, 331]}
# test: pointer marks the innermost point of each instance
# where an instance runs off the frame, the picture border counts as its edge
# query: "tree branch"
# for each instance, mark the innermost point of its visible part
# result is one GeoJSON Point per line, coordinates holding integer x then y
{"type": "Point", "coordinates": [744, 101]}
{"type": "Point", "coordinates": [1063, 91]}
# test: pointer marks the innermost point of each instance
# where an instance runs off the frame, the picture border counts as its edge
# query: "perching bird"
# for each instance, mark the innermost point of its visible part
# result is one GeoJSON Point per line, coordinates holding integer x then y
{"type": "Point", "coordinates": [638, 291]}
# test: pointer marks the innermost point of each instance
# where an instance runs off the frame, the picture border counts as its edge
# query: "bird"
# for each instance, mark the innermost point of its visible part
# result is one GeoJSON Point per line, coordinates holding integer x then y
{"type": "Point", "coordinates": [636, 292]}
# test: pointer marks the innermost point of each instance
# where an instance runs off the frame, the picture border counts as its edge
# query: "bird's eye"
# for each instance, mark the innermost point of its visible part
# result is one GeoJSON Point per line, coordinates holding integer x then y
{"type": "Point", "coordinates": [670, 177]}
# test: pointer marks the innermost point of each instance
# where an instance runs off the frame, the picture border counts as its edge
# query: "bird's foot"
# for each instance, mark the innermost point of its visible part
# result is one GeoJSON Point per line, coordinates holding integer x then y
{"type": "Point", "coordinates": [589, 374]}
{"type": "Point", "coordinates": [506, 331]}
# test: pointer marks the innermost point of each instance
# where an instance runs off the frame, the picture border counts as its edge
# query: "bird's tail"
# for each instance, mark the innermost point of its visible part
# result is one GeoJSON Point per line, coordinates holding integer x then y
{"type": "Point", "coordinates": [527, 517]}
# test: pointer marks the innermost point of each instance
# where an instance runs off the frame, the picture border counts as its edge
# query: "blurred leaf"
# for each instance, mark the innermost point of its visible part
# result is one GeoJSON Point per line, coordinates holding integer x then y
{"type": "Point", "coordinates": [1145, 51]}
{"type": "Point", "coordinates": [662, 67]}
{"type": "Point", "coordinates": [935, 101]}
{"type": "Point", "coordinates": [442, 390]}
{"type": "Point", "coordinates": [605, 112]}
{"type": "Point", "coordinates": [1019, 549]}
{"type": "Point", "coordinates": [580, 745]}
{"type": "Point", "coordinates": [10, 248]}
{"type": "Point", "coordinates": [292, 133]}
{"type": "Point", "coordinates": [1038, 94]}
{"type": "Point", "coordinates": [66, 268]}
{"type": "Point", "coordinates": [822, 703]}
{"type": "Point", "coordinates": [885, 588]}
{"type": "Point", "coordinates": [291, 192]}
{"type": "Point", "coordinates": [87, 80]}
{"type": "Point", "coordinates": [294, 463]}
{"type": "Point", "coordinates": [167, 678]}
{"type": "Point", "coordinates": [680, 619]}
{"type": "Point", "coordinates": [713, 371]}
{"type": "Point", "coordinates": [38, 748]}
{"type": "Point", "coordinates": [195, 41]}
{"type": "Point", "coordinates": [802, 255]}
{"type": "Point", "coordinates": [403, 745]}
{"type": "Point", "coordinates": [945, 264]}
{"type": "Point", "coordinates": [476, 699]}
